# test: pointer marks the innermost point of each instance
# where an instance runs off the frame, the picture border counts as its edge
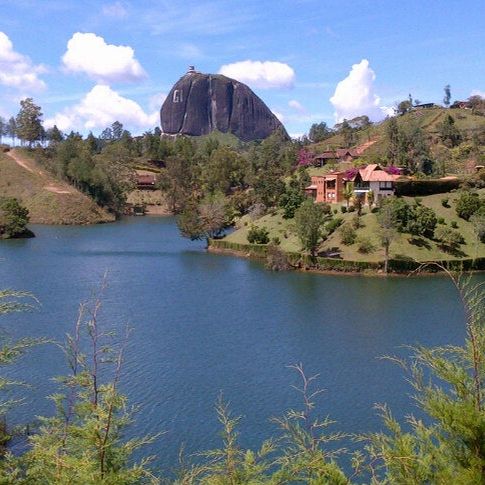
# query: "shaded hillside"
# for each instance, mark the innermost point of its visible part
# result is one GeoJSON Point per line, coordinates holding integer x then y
{"type": "Point", "coordinates": [49, 200]}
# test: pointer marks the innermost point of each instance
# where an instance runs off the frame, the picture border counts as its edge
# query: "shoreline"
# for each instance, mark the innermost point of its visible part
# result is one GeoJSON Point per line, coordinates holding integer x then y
{"type": "Point", "coordinates": [368, 272]}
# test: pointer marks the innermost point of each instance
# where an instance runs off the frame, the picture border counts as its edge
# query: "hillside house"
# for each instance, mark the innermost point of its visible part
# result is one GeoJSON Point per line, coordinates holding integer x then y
{"type": "Point", "coordinates": [374, 178]}
{"type": "Point", "coordinates": [327, 188]}
{"type": "Point", "coordinates": [328, 156]}
{"type": "Point", "coordinates": [145, 181]}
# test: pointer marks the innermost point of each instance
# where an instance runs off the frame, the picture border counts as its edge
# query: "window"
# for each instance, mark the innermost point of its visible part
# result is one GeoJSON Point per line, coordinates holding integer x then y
{"type": "Point", "coordinates": [386, 185]}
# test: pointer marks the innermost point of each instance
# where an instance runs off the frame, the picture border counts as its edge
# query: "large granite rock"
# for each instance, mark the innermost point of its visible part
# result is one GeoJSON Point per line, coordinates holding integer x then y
{"type": "Point", "coordinates": [201, 103]}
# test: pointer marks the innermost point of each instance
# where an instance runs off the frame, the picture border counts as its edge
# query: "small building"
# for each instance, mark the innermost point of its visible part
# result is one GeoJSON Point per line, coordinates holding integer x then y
{"type": "Point", "coordinates": [374, 178]}
{"type": "Point", "coordinates": [347, 154]}
{"type": "Point", "coordinates": [328, 156]}
{"type": "Point", "coordinates": [327, 188]}
{"type": "Point", "coordinates": [424, 106]}
{"type": "Point", "coordinates": [145, 181]}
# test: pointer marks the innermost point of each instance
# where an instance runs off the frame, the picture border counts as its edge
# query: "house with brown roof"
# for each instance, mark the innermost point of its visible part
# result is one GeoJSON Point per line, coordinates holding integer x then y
{"type": "Point", "coordinates": [145, 181]}
{"type": "Point", "coordinates": [374, 178]}
{"type": "Point", "coordinates": [328, 156]}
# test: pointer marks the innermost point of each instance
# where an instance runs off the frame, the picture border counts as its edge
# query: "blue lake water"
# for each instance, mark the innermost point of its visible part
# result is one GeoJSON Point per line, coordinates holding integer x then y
{"type": "Point", "coordinates": [205, 324]}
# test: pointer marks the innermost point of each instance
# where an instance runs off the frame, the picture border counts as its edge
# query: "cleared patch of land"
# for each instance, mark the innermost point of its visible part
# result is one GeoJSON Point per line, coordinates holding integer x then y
{"type": "Point", "coordinates": [49, 200]}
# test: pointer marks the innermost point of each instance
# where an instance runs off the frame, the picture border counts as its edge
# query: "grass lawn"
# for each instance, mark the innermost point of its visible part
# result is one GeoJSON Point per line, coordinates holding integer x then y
{"type": "Point", "coordinates": [404, 246]}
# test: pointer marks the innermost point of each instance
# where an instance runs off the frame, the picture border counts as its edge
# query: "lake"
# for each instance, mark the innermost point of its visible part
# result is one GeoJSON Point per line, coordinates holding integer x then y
{"type": "Point", "coordinates": [205, 324]}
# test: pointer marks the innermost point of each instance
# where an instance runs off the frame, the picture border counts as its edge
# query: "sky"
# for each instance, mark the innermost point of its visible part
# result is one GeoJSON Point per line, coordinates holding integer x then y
{"type": "Point", "coordinates": [90, 63]}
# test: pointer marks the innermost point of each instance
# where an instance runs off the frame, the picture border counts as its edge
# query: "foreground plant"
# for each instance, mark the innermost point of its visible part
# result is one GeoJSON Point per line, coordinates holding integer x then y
{"type": "Point", "coordinates": [83, 443]}
{"type": "Point", "coordinates": [448, 446]}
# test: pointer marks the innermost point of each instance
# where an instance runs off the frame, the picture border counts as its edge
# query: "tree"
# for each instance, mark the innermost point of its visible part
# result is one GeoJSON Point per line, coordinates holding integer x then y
{"type": "Point", "coordinates": [404, 106]}
{"type": "Point", "coordinates": [467, 204]}
{"type": "Point", "coordinates": [3, 128]}
{"type": "Point", "coordinates": [347, 133]}
{"type": "Point", "coordinates": [449, 133]}
{"type": "Point", "coordinates": [117, 130]}
{"type": "Point", "coordinates": [309, 221]}
{"type": "Point", "coordinates": [204, 220]}
{"type": "Point", "coordinates": [348, 192]}
{"type": "Point", "coordinates": [387, 231]}
{"type": "Point", "coordinates": [12, 129]}
{"type": "Point", "coordinates": [447, 97]}
{"type": "Point", "coordinates": [449, 238]}
{"type": "Point", "coordinates": [13, 218]}
{"type": "Point", "coordinates": [29, 122]}
{"type": "Point", "coordinates": [422, 221]}
{"type": "Point", "coordinates": [54, 135]}
{"type": "Point", "coordinates": [319, 132]}
{"type": "Point", "coordinates": [393, 139]}
{"type": "Point", "coordinates": [371, 197]}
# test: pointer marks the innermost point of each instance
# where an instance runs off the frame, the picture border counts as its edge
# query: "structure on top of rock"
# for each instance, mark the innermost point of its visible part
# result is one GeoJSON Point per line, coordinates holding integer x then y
{"type": "Point", "coordinates": [201, 103]}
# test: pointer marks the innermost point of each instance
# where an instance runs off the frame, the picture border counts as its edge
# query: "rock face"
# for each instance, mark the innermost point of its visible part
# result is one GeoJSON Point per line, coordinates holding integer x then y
{"type": "Point", "coordinates": [201, 103]}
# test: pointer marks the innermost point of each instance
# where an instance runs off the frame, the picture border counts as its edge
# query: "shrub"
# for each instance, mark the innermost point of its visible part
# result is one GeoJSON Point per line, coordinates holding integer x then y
{"type": "Point", "coordinates": [351, 208]}
{"type": "Point", "coordinates": [445, 202]}
{"type": "Point", "coordinates": [422, 221]}
{"type": "Point", "coordinates": [449, 238]}
{"type": "Point", "coordinates": [335, 211]}
{"type": "Point", "coordinates": [276, 241]}
{"type": "Point", "coordinates": [343, 209]}
{"type": "Point", "coordinates": [347, 234]}
{"type": "Point", "coordinates": [467, 204]}
{"type": "Point", "coordinates": [365, 245]}
{"type": "Point", "coordinates": [334, 224]}
{"type": "Point", "coordinates": [13, 218]}
{"type": "Point", "coordinates": [258, 235]}
{"type": "Point", "coordinates": [356, 222]}
{"type": "Point", "coordinates": [276, 259]}
{"type": "Point", "coordinates": [454, 224]}
{"type": "Point", "coordinates": [441, 220]}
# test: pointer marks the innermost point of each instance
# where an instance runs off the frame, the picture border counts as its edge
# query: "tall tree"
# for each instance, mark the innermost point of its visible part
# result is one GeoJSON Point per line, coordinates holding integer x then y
{"type": "Point", "coordinates": [447, 97]}
{"type": "Point", "coordinates": [29, 122]}
{"type": "Point", "coordinates": [117, 130]}
{"type": "Point", "coordinates": [54, 135]}
{"type": "Point", "coordinates": [3, 128]}
{"type": "Point", "coordinates": [319, 132]}
{"type": "Point", "coordinates": [12, 129]}
{"type": "Point", "coordinates": [309, 222]}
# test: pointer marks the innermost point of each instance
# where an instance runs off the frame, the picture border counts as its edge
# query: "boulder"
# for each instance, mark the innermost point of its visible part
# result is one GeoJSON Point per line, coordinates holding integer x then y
{"type": "Point", "coordinates": [201, 103]}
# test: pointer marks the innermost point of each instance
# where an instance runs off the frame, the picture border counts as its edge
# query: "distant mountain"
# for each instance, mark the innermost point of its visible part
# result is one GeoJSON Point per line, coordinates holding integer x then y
{"type": "Point", "coordinates": [199, 104]}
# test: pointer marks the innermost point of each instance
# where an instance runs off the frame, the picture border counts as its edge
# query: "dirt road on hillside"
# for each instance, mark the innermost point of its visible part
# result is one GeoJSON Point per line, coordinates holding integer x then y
{"type": "Point", "coordinates": [29, 165]}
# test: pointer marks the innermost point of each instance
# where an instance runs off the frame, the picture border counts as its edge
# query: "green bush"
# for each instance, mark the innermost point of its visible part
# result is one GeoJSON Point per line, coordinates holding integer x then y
{"type": "Point", "coordinates": [365, 245]}
{"type": "Point", "coordinates": [334, 224]}
{"type": "Point", "coordinates": [441, 220]}
{"type": "Point", "coordinates": [347, 234]}
{"type": "Point", "coordinates": [454, 224]}
{"type": "Point", "coordinates": [467, 204]}
{"type": "Point", "coordinates": [343, 209]}
{"type": "Point", "coordinates": [449, 238]}
{"type": "Point", "coordinates": [445, 202]}
{"type": "Point", "coordinates": [258, 235]}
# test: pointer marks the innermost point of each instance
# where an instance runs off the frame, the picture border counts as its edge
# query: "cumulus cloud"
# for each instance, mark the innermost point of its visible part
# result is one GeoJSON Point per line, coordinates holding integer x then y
{"type": "Point", "coordinates": [100, 108]}
{"type": "Point", "coordinates": [355, 96]}
{"type": "Point", "coordinates": [259, 74]}
{"type": "Point", "coordinates": [91, 55]}
{"type": "Point", "coordinates": [16, 70]}
{"type": "Point", "coordinates": [279, 115]}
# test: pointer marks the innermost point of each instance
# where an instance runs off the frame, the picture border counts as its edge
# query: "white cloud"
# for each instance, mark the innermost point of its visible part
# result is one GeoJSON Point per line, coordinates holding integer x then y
{"type": "Point", "coordinates": [259, 74]}
{"type": "Point", "coordinates": [477, 92]}
{"type": "Point", "coordinates": [100, 108]}
{"type": "Point", "coordinates": [354, 95]}
{"type": "Point", "coordinates": [90, 54]}
{"type": "Point", "coordinates": [296, 105]}
{"type": "Point", "coordinates": [17, 70]}
{"type": "Point", "coordinates": [155, 102]}
{"type": "Point", "coordinates": [115, 10]}
{"type": "Point", "coordinates": [279, 115]}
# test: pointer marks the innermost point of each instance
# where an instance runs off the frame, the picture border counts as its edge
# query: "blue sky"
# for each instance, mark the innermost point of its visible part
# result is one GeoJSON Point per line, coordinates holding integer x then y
{"type": "Point", "coordinates": [88, 63]}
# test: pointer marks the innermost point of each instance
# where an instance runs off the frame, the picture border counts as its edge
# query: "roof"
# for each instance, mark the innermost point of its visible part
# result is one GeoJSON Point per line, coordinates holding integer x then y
{"type": "Point", "coordinates": [327, 154]}
{"type": "Point", "coordinates": [145, 179]}
{"type": "Point", "coordinates": [374, 173]}
{"type": "Point", "coordinates": [342, 152]}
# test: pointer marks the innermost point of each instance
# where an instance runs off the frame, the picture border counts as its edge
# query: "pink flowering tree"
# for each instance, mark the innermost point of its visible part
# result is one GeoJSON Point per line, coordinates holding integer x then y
{"type": "Point", "coordinates": [305, 158]}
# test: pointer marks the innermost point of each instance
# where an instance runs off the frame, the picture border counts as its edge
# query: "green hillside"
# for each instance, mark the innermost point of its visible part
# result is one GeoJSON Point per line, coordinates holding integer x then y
{"type": "Point", "coordinates": [49, 200]}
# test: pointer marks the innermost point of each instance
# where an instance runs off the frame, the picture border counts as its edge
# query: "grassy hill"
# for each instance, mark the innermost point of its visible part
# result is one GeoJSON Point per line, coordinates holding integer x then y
{"type": "Point", "coordinates": [428, 120]}
{"type": "Point", "coordinates": [405, 246]}
{"type": "Point", "coordinates": [49, 200]}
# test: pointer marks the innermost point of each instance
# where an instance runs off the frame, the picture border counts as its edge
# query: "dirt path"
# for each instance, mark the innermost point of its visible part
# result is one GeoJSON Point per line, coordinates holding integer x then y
{"type": "Point", "coordinates": [29, 165]}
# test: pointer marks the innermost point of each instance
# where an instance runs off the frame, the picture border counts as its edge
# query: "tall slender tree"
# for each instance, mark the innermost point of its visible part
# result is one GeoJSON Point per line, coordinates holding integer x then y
{"type": "Point", "coordinates": [29, 122]}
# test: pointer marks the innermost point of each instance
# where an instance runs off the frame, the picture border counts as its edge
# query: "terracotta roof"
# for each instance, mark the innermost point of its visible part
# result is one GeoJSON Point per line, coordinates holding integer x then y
{"type": "Point", "coordinates": [327, 154]}
{"type": "Point", "coordinates": [374, 173]}
{"type": "Point", "coordinates": [342, 152]}
{"type": "Point", "coordinates": [311, 187]}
